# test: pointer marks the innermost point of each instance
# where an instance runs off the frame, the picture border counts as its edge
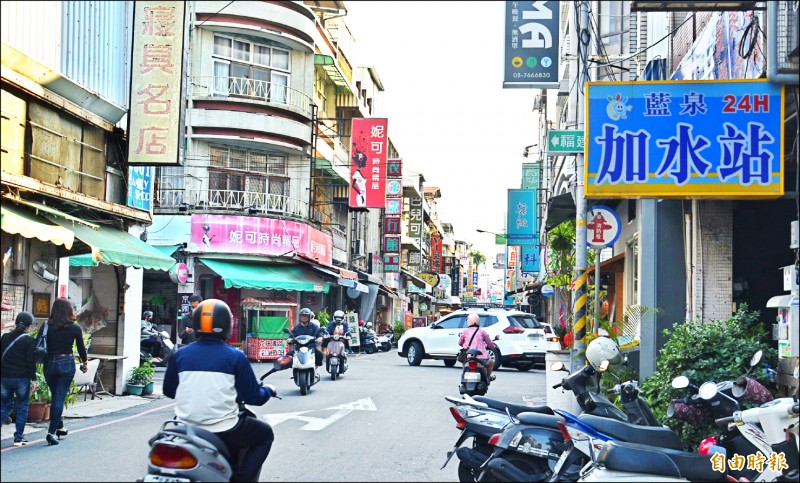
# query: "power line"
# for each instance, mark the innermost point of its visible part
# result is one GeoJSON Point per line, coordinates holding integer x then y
{"type": "Point", "coordinates": [218, 11]}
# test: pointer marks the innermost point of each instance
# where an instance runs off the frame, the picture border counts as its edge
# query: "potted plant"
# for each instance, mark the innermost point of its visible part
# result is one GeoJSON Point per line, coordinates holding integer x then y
{"type": "Point", "coordinates": [40, 398]}
{"type": "Point", "coordinates": [141, 379]}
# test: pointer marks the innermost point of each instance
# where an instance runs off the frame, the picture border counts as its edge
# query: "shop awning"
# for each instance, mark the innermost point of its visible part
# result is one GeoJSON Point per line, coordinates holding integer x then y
{"type": "Point", "coordinates": [387, 291]}
{"type": "Point", "coordinates": [15, 221]}
{"type": "Point", "coordinates": [263, 303]}
{"type": "Point", "coordinates": [559, 209]}
{"type": "Point", "coordinates": [415, 280]}
{"type": "Point", "coordinates": [42, 209]}
{"type": "Point", "coordinates": [780, 301]}
{"type": "Point", "coordinates": [84, 260]}
{"type": "Point", "coordinates": [167, 250]}
{"type": "Point", "coordinates": [368, 277]}
{"type": "Point", "coordinates": [267, 277]}
{"type": "Point", "coordinates": [346, 282]}
{"type": "Point", "coordinates": [116, 247]}
{"type": "Point", "coordinates": [336, 274]}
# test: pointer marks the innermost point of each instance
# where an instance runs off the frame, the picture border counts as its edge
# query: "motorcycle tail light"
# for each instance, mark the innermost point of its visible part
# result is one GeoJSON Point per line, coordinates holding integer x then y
{"type": "Point", "coordinates": [563, 428]}
{"type": "Point", "coordinates": [472, 365]}
{"type": "Point", "coordinates": [513, 329]}
{"type": "Point", "coordinates": [461, 423]}
{"type": "Point", "coordinates": [169, 456]}
{"type": "Point", "coordinates": [493, 440]}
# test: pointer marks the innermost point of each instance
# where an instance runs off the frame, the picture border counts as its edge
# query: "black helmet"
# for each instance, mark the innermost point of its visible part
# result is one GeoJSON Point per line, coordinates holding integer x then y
{"type": "Point", "coordinates": [147, 314]}
{"type": "Point", "coordinates": [212, 317]}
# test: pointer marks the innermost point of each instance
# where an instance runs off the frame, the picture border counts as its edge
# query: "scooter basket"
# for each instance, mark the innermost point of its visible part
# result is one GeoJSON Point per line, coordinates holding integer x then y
{"type": "Point", "coordinates": [750, 390]}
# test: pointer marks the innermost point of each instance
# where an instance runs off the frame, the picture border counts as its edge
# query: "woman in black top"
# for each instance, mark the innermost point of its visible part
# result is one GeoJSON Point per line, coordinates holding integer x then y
{"type": "Point", "coordinates": [59, 369]}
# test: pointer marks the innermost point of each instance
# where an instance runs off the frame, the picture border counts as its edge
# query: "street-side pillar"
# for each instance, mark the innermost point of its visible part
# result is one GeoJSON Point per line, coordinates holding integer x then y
{"type": "Point", "coordinates": [129, 331]}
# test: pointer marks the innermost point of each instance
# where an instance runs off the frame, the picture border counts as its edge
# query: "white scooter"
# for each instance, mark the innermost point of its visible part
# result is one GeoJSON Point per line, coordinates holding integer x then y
{"type": "Point", "coordinates": [304, 367]}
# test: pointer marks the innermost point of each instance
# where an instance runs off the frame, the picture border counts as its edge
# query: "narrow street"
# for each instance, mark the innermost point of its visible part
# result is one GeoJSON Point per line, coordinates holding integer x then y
{"type": "Point", "coordinates": [382, 421]}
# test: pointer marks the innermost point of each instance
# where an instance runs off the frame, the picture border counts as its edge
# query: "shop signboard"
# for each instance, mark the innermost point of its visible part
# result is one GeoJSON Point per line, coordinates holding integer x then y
{"type": "Point", "coordinates": [562, 142]}
{"type": "Point", "coordinates": [140, 187]}
{"type": "Point", "coordinates": [368, 148]}
{"type": "Point", "coordinates": [415, 230]}
{"type": "Point", "coordinates": [154, 120]}
{"type": "Point", "coordinates": [351, 319]}
{"type": "Point", "coordinates": [419, 322]}
{"type": "Point", "coordinates": [685, 139]}
{"type": "Point", "coordinates": [532, 36]}
{"type": "Point", "coordinates": [391, 263]}
{"type": "Point", "coordinates": [436, 254]}
{"type": "Point", "coordinates": [523, 217]}
{"type": "Point", "coordinates": [251, 235]}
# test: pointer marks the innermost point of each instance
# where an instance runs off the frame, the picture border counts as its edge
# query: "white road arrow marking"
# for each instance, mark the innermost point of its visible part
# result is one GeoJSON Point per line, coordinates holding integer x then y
{"type": "Point", "coordinates": [317, 424]}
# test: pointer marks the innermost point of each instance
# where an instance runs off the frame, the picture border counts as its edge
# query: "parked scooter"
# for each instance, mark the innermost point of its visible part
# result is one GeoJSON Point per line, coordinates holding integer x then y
{"type": "Point", "coordinates": [304, 367]}
{"type": "Point", "coordinates": [368, 343]}
{"type": "Point", "coordinates": [335, 356]}
{"type": "Point", "coordinates": [167, 351]}
{"type": "Point", "coordinates": [181, 452]}
{"type": "Point", "coordinates": [384, 341]}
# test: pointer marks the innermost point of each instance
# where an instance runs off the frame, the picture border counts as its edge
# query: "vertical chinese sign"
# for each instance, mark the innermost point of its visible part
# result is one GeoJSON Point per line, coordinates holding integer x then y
{"type": "Point", "coordinates": [393, 211]}
{"type": "Point", "coordinates": [529, 257]}
{"type": "Point", "coordinates": [436, 254]}
{"type": "Point", "coordinates": [712, 139]}
{"type": "Point", "coordinates": [155, 126]}
{"type": "Point", "coordinates": [523, 220]}
{"type": "Point", "coordinates": [368, 147]}
{"type": "Point", "coordinates": [415, 232]}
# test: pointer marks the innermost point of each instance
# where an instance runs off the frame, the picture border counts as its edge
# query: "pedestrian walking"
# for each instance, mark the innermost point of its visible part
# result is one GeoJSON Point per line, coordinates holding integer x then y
{"type": "Point", "coordinates": [186, 330]}
{"type": "Point", "coordinates": [18, 373]}
{"type": "Point", "coordinates": [61, 332]}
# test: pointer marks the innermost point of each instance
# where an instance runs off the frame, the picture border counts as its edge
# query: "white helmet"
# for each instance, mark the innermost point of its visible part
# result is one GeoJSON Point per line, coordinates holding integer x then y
{"type": "Point", "coordinates": [338, 315]}
{"type": "Point", "coordinates": [603, 349]}
{"type": "Point", "coordinates": [369, 325]}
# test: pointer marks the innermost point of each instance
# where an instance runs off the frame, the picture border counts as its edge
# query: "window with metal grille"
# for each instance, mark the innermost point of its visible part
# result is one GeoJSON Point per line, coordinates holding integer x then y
{"type": "Point", "coordinates": [247, 68]}
{"type": "Point", "coordinates": [252, 172]}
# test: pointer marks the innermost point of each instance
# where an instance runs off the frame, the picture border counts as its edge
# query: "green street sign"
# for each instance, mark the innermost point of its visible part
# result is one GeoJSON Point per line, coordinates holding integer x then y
{"type": "Point", "coordinates": [564, 142]}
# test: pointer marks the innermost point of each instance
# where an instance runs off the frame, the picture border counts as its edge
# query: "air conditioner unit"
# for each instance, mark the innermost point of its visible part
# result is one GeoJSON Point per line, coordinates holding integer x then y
{"type": "Point", "coordinates": [318, 216]}
{"type": "Point", "coordinates": [358, 247]}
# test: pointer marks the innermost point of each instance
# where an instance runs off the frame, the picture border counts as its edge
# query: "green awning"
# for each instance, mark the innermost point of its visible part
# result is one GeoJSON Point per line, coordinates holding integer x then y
{"type": "Point", "coordinates": [115, 247]}
{"type": "Point", "coordinates": [82, 261]}
{"type": "Point", "coordinates": [167, 250]}
{"type": "Point", "coordinates": [17, 221]}
{"type": "Point", "coordinates": [271, 277]}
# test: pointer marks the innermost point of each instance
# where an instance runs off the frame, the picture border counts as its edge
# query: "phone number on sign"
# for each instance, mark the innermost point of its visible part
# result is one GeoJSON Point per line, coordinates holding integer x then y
{"type": "Point", "coordinates": [531, 75]}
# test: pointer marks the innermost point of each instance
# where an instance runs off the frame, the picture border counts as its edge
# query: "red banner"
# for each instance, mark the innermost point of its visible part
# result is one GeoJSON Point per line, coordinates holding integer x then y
{"type": "Point", "coordinates": [368, 163]}
{"type": "Point", "coordinates": [436, 254]}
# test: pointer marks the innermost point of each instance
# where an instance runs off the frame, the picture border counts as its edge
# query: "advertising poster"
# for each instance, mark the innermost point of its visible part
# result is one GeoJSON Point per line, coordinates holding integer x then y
{"type": "Point", "coordinates": [368, 146]}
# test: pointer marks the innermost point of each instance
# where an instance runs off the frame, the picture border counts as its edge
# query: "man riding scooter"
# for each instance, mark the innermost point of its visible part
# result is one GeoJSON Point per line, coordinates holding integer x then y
{"type": "Point", "coordinates": [305, 327]}
{"type": "Point", "coordinates": [339, 323]}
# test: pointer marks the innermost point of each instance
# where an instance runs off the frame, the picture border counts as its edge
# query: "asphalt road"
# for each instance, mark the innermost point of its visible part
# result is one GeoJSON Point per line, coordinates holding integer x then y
{"type": "Point", "coordinates": [382, 421]}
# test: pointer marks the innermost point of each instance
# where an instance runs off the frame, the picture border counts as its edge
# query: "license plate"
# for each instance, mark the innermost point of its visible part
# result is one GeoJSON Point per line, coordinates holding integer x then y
{"type": "Point", "coordinates": [163, 478]}
{"type": "Point", "coordinates": [472, 376]}
{"type": "Point", "coordinates": [535, 336]}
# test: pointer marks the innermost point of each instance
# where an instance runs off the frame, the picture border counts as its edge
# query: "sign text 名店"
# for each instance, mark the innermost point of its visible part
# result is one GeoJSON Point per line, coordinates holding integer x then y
{"type": "Point", "coordinates": [156, 72]}
{"type": "Point", "coordinates": [711, 139]}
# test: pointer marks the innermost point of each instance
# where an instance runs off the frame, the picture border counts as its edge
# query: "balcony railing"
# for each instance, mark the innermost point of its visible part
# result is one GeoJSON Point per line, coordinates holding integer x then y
{"type": "Point", "coordinates": [212, 199]}
{"type": "Point", "coordinates": [271, 92]}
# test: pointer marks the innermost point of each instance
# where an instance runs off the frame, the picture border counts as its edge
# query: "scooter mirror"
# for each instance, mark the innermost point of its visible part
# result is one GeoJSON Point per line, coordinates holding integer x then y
{"type": "Point", "coordinates": [287, 331]}
{"type": "Point", "coordinates": [708, 390]}
{"type": "Point", "coordinates": [680, 382]}
{"type": "Point", "coordinates": [557, 366]}
{"type": "Point", "coordinates": [604, 365]}
{"type": "Point", "coordinates": [756, 358]}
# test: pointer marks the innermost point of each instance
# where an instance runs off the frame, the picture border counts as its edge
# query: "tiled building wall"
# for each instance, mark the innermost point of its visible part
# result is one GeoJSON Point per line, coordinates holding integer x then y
{"type": "Point", "coordinates": [713, 292]}
{"type": "Point", "coordinates": [686, 34]}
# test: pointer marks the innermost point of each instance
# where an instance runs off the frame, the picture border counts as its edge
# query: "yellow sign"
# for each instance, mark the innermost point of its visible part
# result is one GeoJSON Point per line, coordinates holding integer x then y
{"type": "Point", "coordinates": [430, 278]}
{"type": "Point", "coordinates": [156, 74]}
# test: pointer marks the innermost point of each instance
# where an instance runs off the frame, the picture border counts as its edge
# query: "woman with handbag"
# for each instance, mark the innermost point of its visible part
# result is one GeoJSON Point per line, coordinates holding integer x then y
{"type": "Point", "coordinates": [476, 338]}
{"type": "Point", "coordinates": [59, 333]}
{"type": "Point", "coordinates": [18, 373]}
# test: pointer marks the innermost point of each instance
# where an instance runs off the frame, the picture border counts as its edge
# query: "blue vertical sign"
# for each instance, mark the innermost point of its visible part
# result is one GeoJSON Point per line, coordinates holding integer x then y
{"type": "Point", "coordinates": [523, 219]}
{"type": "Point", "coordinates": [529, 258]}
{"type": "Point", "coordinates": [140, 187]}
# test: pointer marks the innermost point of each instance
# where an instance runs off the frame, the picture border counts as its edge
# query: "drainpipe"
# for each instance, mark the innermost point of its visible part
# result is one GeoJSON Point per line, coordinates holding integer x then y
{"type": "Point", "coordinates": [772, 48]}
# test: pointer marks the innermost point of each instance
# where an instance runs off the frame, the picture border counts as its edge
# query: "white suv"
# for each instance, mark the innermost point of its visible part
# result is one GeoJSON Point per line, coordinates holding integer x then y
{"type": "Point", "coordinates": [523, 339]}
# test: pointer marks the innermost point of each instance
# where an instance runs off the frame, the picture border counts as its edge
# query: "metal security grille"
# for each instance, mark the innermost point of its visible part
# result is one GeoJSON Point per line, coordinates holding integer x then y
{"type": "Point", "coordinates": [13, 296]}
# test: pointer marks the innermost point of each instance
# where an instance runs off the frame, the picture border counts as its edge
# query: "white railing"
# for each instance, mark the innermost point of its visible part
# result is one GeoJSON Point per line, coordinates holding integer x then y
{"type": "Point", "coordinates": [251, 88]}
{"type": "Point", "coordinates": [214, 199]}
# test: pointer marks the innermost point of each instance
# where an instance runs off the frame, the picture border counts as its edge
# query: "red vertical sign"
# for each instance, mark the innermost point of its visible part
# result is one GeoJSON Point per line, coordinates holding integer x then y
{"type": "Point", "coordinates": [368, 163]}
{"type": "Point", "coordinates": [436, 254]}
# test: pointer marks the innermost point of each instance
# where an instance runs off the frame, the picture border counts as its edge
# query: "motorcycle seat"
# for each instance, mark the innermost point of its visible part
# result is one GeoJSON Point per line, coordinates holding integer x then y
{"type": "Point", "coordinates": [639, 458]}
{"type": "Point", "coordinates": [537, 419]}
{"type": "Point", "coordinates": [632, 433]}
{"type": "Point", "coordinates": [513, 408]}
{"type": "Point", "coordinates": [205, 435]}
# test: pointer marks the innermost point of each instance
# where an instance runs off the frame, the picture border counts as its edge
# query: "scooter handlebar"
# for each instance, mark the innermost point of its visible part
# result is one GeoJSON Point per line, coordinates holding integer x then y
{"type": "Point", "coordinates": [558, 385]}
{"type": "Point", "coordinates": [723, 423]}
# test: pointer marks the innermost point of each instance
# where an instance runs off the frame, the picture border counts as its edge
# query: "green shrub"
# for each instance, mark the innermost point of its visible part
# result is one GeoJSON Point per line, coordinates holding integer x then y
{"type": "Point", "coordinates": [399, 330]}
{"type": "Point", "coordinates": [717, 351]}
{"type": "Point", "coordinates": [143, 374]}
{"type": "Point", "coordinates": [323, 317]}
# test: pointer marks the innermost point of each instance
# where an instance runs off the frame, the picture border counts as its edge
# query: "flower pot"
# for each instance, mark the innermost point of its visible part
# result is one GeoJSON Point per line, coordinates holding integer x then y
{"type": "Point", "coordinates": [148, 388]}
{"type": "Point", "coordinates": [135, 389]}
{"type": "Point", "coordinates": [36, 411]}
{"type": "Point", "coordinates": [46, 415]}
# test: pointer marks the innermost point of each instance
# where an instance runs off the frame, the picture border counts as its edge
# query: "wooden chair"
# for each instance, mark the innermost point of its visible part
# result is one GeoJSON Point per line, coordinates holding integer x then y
{"type": "Point", "coordinates": [86, 381]}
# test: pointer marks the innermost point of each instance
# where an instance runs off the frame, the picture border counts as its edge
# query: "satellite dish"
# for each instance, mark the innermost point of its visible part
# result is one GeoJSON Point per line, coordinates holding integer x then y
{"type": "Point", "coordinates": [45, 271]}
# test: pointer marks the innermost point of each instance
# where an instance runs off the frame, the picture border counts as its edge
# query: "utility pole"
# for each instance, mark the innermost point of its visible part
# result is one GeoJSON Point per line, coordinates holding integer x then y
{"type": "Point", "coordinates": [582, 43]}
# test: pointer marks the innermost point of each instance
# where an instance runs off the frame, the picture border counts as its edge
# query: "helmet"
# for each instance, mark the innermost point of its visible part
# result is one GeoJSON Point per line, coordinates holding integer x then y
{"type": "Point", "coordinates": [308, 312]}
{"type": "Point", "coordinates": [369, 325]}
{"type": "Point", "coordinates": [601, 349]}
{"type": "Point", "coordinates": [212, 317]}
{"type": "Point", "coordinates": [338, 315]}
{"type": "Point", "coordinates": [147, 314]}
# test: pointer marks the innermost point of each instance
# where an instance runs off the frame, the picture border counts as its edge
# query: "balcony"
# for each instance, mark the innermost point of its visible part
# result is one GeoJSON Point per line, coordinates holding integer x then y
{"type": "Point", "coordinates": [241, 88]}
{"type": "Point", "coordinates": [171, 200]}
